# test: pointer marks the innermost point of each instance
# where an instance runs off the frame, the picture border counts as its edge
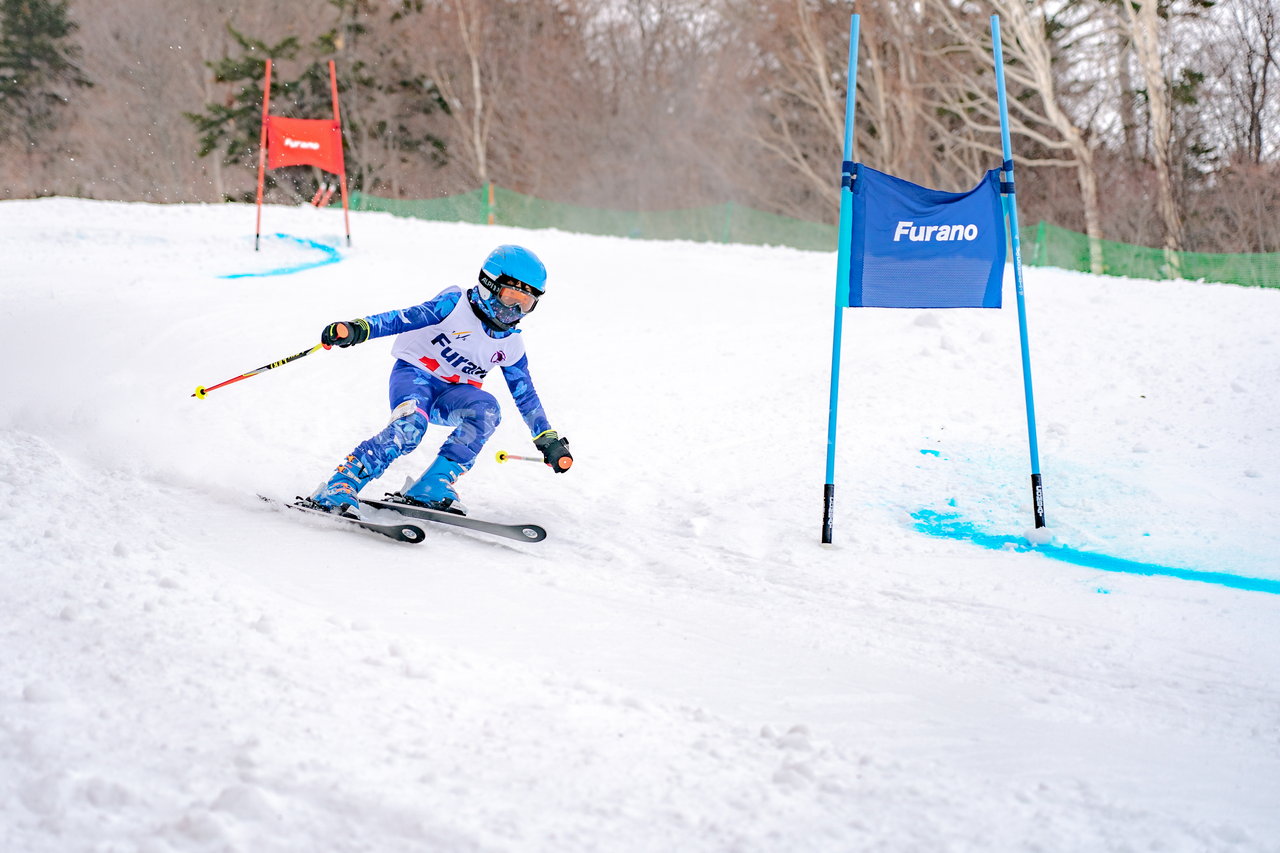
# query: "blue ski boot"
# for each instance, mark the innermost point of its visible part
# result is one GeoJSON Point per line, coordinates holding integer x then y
{"type": "Point", "coordinates": [434, 489]}
{"type": "Point", "coordinates": [338, 494]}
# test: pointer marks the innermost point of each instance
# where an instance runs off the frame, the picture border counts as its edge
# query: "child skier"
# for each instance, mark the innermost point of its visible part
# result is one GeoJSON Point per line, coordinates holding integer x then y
{"type": "Point", "coordinates": [446, 347]}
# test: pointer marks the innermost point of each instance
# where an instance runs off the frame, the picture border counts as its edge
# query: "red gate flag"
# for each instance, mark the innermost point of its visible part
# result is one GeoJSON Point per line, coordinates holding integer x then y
{"type": "Point", "coordinates": [304, 142]}
{"type": "Point", "coordinates": [301, 142]}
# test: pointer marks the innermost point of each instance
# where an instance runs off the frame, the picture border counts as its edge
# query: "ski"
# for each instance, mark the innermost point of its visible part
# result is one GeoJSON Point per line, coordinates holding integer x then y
{"type": "Point", "coordinates": [401, 531]}
{"type": "Point", "coordinates": [518, 532]}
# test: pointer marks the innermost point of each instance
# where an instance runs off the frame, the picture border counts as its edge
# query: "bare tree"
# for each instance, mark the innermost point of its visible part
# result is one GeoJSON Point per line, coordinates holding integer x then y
{"type": "Point", "coordinates": [1243, 42]}
{"type": "Point", "coordinates": [801, 82]}
{"type": "Point", "coordinates": [1044, 80]}
{"type": "Point", "coordinates": [898, 130]}
{"type": "Point", "coordinates": [128, 133]}
{"type": "Point", "coordinates": [515, 81]}
{"type": "Point", "coordinates": [1143, 26]}
{"type": "Point", "coordinates": [634, 104]}
{"type": "Point", "coordinates": [464, 75]}
{"type": "Point", "coordinates": [667, 104]}
{"type": "Point", "coordinates": [795, 54]}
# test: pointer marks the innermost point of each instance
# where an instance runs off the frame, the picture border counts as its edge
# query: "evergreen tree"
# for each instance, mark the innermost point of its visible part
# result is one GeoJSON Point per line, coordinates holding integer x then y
{"type": "Point", "coordinates": [37, 66]}
{"type": "Point", "coordinates": [384, 104]}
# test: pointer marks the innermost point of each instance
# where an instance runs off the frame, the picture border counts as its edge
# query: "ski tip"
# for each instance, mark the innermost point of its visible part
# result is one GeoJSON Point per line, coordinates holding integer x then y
{"type": "Point", "coordinates": [399, 530]}
{"type": "Point", "coordinates": [411, 534]}
{"type": "Point", "coordinates": [533, 532]}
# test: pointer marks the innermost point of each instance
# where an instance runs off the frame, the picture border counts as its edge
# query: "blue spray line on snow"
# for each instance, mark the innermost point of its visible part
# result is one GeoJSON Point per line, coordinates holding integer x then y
{"type": "Point", "coordinates": [331, 257]}
{"type": "Point", "coordinates": [951, 526]}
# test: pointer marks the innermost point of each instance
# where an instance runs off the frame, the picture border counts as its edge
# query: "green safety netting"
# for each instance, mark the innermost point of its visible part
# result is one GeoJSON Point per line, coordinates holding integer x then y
{"type": "Point", "coordinates": [1047, 246]}
{"type": "Point", "coordinates": [1051, 246]}
{"type": "Point", "coordinates": [467, 207]}
{"type": "Point", "coordinates": [721, 223]}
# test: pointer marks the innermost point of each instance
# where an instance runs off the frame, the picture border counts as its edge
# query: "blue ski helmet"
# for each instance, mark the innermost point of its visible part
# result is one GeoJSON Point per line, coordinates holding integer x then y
{"type": "Point", "coordinates": [511, 281]}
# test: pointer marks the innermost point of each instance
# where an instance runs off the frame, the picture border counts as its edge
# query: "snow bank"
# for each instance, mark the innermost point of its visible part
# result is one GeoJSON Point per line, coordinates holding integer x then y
{"type": "Point", "coordinates": [679, 666]}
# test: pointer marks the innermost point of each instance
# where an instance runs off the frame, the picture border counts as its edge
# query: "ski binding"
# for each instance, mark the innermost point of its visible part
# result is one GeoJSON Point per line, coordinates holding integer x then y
{"type": "Point", "coordinates": [402, 530]}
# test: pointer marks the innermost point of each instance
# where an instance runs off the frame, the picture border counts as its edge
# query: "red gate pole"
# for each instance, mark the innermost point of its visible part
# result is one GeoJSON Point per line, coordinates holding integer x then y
{"type": "Point", "coordinates": [262, 152]}
{"type": "Point", "coordinates": [342, 176]}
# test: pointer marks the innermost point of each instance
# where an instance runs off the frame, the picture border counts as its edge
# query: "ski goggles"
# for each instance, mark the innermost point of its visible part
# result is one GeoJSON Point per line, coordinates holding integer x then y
{"type": "Point", "coordinates": [513, 293]}
{"type": "Point", "coordinates": [525, 300]}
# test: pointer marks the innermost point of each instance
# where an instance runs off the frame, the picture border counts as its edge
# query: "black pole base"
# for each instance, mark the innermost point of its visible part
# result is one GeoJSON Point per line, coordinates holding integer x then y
{"type": "Point", "coordinates": [828, 512]}
{"type": "Point", "coordinates": [1037, 500]}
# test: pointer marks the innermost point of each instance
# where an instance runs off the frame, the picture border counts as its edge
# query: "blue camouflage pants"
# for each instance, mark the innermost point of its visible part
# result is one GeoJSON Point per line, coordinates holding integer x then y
{"type": "Point", "coordinates": [418, 399]}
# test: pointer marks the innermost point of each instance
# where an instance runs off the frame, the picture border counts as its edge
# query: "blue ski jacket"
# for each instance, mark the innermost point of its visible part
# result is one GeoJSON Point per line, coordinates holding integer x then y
{"type": "Point", "coordinates": [456, 347]}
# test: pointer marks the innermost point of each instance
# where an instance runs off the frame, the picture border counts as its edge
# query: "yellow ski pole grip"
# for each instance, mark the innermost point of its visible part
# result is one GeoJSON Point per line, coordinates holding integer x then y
{"type": "Point", "coordinates": [504, 456]}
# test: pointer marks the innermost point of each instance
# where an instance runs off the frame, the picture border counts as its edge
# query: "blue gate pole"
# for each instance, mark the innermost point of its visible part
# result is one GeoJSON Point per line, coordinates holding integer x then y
{"type": "Point", "coordinates": [842, 281]}
{"type": "Point", "coordinates": [1011, 209]}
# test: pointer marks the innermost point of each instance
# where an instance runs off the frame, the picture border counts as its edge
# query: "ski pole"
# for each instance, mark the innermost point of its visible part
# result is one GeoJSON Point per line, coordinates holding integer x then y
{"type": "Point", "coordinates": [503, 456]}
{"type": "Point", "coordinates": [201, 391]}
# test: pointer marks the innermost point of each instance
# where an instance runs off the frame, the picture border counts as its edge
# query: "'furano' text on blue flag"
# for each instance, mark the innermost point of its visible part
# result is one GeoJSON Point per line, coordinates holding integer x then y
{"type": "Point", "coordinates": [913, 247]}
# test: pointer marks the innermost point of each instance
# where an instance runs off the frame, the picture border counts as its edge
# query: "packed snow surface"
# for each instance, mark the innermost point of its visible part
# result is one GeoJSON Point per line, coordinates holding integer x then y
{"type": "Point", "coordinates": [680, 665]}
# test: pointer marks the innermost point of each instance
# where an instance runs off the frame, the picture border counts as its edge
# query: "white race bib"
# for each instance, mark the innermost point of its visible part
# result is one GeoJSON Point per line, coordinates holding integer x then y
{"type": "Point", "coordinates": [458, 348]}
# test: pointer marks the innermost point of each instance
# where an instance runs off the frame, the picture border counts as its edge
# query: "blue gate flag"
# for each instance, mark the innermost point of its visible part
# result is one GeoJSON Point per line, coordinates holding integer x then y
{"type": "Point", "coordinates": [913, 247]}
{"type": "Point", "coordinates": [907, 246]}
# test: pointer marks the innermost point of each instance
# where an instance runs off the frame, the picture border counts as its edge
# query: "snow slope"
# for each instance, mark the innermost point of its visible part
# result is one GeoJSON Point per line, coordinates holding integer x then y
{"type": "Point", "coordinates": [680, 666]}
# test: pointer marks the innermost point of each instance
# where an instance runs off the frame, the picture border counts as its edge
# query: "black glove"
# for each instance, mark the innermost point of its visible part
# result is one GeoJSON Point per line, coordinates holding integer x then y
{"type": "Point", "coordinates": [555, 450]}
{"type": "Point", "coordinates": [345, 334]}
